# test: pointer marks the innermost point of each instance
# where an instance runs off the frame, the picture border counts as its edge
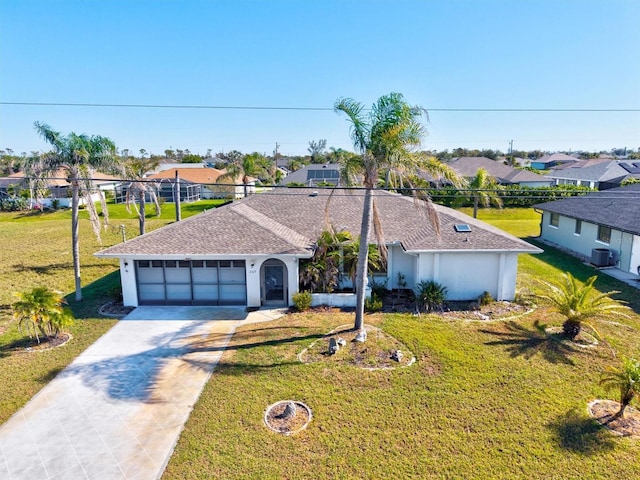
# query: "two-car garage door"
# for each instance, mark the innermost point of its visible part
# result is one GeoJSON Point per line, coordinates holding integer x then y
{"type": "Point", "coordinates": [191, 282]}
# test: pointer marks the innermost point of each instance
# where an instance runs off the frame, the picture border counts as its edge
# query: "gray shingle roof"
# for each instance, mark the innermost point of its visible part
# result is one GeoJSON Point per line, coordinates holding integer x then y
{"type": "Point", "coordinates": [618, 208]}
{"type": "Point", "coordinates": [288, 221]}
{"type": "Point", "coordinates": [599, 172]}
{"type": "Point", "coordinates": [469, 166]}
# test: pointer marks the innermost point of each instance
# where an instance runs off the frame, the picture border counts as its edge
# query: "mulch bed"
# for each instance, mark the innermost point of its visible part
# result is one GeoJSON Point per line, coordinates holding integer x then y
{"type": "Point", "coordinates": [115, 310]}
{"type": "Point", "coordinates": [603, 411]}
{"type": "Point", "coordinates": [276, 421]}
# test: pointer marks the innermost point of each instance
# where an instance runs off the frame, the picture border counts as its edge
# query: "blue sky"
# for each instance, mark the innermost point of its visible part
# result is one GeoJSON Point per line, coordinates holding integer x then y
{"type": "Point", "coordinates": [478, 54]}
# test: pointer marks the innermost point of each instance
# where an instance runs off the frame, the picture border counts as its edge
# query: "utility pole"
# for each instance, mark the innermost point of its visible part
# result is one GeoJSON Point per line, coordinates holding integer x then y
{"type": "Point", "coordinates": [275, 154]}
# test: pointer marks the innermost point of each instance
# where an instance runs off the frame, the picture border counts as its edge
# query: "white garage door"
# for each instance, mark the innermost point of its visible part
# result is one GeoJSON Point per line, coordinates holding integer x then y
{"type": "Point", "coordinates": [191, 282]}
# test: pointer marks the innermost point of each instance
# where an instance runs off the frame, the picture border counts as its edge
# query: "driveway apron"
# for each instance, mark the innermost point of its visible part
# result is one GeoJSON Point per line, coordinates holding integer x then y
{"type": "Point", "coordinates": [116, 412]}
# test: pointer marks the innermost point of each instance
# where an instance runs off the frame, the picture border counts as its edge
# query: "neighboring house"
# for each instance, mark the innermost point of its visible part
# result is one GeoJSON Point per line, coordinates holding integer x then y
{"type": "Point", "coordinates": [59, 188]}
{"type": "Point", "coordinates": [248, 252]}
{"type": "Point", "coordinates": [552, 160]}
{"type": "Point", "coordinates": [600, 174]}
{"type": "Point", "coordinates": [603, 226]}
{"type": "Point", "coordinates": [314, 175]}
{"type": "Point", "coordinates": [504, 174]}
{"type": "Point", "coordinates": [162, 166]}
{"type": "Point", "coordinates": [197, 183]}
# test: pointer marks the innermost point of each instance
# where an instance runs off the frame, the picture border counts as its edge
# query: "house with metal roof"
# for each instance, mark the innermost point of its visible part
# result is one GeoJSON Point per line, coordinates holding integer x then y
{"type": "Point", "coordinates": [504, 174]}
{"type": "Point", "coordinates": [602, 227]}
{"type": "Point", "coordinates": [248, 252]}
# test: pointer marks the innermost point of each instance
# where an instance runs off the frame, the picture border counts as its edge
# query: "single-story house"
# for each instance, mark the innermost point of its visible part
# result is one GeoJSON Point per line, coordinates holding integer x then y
{"type": "Point", "coordinates": [598, 173]}
{"type": "Point", "coordinates": [248, 252]}
{"type": "Point", "coordinates": [504, 174]}
{"type": "Point", "coordinates": [59, 188]}
{"type": "Point", "coordinates": [603, 227]}
{"type": "Point", "coordinates": [314, 174]}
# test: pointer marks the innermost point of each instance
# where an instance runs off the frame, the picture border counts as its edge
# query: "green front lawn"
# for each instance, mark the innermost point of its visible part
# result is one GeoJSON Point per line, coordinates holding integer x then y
{"type": "Point", "coordinates": [36, 251]}
{"type": "Point", "coordinates": [485, 399]}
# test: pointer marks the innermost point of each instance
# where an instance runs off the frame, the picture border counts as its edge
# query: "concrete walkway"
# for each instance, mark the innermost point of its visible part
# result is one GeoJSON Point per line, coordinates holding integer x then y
{"type": "Point", "coordinates": [116, 412]}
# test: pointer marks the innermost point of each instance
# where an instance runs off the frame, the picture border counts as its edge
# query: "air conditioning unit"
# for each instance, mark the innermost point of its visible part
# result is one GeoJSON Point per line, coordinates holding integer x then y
{"type": "Point", "coordinates": [600, 257]}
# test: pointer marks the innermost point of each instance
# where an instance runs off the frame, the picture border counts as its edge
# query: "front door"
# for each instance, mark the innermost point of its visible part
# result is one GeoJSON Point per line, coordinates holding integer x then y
{"type": "Point", "coordinates": [273, 280]}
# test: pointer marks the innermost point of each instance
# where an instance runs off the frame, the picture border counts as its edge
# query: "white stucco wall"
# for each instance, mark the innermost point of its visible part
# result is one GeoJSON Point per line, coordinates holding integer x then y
{"type": "Point", "coordinates": [635, 255]}
{"type": "Point", "coordinates": [468, 274]}
{"type": "Point", "coordinates": [128, 282]}
{"type": "Point", "coordinates": [564, 235]}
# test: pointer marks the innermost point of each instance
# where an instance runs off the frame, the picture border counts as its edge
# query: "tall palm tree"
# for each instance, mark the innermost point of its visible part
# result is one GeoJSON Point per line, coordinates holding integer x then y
{"type": "Point", "coordinates": [625, 379]}
{"type": "Point", "coordinates": [78, 156]}
{"type": "Point", "coordinates": [386, 137]}
{"type": "Point", "coordinates": [484, 190]}
{"type": "Point", "coordinates": [135, 170]}
{"type": "Point", "coordinates": [577, 303]}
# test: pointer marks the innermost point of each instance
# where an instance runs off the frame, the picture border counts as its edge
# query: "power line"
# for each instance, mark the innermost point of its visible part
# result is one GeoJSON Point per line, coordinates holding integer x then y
{"type": "Point", "coordinates": [326, 109]}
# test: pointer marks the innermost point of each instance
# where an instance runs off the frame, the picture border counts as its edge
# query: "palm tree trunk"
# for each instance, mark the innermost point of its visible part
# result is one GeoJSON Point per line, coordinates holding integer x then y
{"type": "Point", "coordinates": [363, 258]}
{"type": "Point", "coordinates": [141, 217]}
{"type": "Point", "coordinates": [475, 206]}
{"type": "Point", "coordinates": [75, 237]}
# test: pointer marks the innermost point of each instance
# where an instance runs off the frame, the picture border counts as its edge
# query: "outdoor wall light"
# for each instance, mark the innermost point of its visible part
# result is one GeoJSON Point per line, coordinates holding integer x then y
{"type": "Point", "coordinates": [126, 264]}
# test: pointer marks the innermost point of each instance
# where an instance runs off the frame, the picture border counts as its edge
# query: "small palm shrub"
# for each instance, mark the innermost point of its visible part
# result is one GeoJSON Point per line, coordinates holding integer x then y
{"type": "Point", "coordinates": [625, 379]}
{"type": "Point", "coordinates": [577, 303]}
{"type": "Point", "coordinates": [302, 301]}
{"type": "Point", "coordinates": [430, 295]}
{"type": "Point", "coordinates": [41, 312]}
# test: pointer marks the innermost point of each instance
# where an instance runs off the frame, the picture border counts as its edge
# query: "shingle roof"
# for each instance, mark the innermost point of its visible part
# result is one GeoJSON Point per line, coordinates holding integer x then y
{"type": "Point", "coordinates": [618, 208]}
{"type": "Point", "coordinates": [601, 171]}
{"type": "Point", "coordinates": [288, 221]}
{"type": "Point", "coordinates": [469, 166]}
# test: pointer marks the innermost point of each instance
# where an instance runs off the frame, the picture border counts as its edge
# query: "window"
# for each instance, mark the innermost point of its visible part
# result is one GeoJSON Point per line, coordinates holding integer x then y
{"type": "Point", "coordinates": [604, 234]}
{"type": "Point", "coordinates": [554, 221]}
{"type": "Point", "coordinates": [578, 229]}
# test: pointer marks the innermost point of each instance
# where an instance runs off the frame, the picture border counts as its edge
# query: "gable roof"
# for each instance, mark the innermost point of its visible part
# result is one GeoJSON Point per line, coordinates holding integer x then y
{"type": "Point", "coordinates": [617, 208]}
{"type": "Point", "coordinates": [556, 158]}
{"type": "Point", "coordinates": [601, 171]}
{"type": "Point", "coordinates": [469, 166]}
{"type": "Point", "coordinates": [289, 221]}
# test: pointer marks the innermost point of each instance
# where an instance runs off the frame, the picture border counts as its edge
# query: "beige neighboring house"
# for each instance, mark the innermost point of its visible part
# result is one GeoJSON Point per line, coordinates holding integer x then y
{"type": "Point", "coordinates": [248, 252]}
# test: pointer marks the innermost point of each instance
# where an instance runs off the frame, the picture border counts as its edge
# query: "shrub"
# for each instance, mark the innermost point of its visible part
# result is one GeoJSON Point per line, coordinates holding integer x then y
{"type": "Point", "coordinates": [485, 299]}
{"type": "Point", "coordinates": [41, 312]}
{"type": "Point", "coordinates": [430, 295]}
{"type": "Point", "coordinates": [378, 288]}
{"type": "Point", "coordinates": [302, 301]}
{"type": "Point", "coordinates": [373, 304]}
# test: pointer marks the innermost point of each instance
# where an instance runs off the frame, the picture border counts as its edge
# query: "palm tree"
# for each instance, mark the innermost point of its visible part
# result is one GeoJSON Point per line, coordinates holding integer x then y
{"type": "Point", "coordinates": [577, 304]}
{"type": "Point", "coordinates": [239, 168]}
{"type": "Point", "coordinates": [78, 156]}
{"type": "Point", "coordinates": [484, 191]}
{"type": "Point", "coordinates": [625, 379]}
{"type": "Point", "coordinates": [386, 137]}
{"type": "Point", "coordinates": [41, 310]}
{"type": "Point", "coordinates": [136, 169]}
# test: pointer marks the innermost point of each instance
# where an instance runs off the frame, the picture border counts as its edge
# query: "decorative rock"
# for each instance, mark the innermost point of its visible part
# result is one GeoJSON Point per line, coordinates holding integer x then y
{"type": "Point", "coordinates": [396, 355]}
{"type": "Point", "coordinates": [333, 346]}
{"type": "Point", "coordinates": [341, 341]}
{"type": "Point", "coordinates": [289, 412]}
{"type": "Point", "coordinates": [361, 336]}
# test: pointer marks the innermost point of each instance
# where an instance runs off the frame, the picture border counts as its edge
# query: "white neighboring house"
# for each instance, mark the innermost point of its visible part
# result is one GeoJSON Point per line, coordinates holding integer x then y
{"type": "Point", "coordinates": [602, 227]}
{"type": "Point", "coordinates": [248, 252]}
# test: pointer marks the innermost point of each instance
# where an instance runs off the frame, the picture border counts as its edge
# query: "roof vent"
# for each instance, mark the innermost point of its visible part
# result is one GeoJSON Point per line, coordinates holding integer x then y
{"type": "Point", "coordinates": [314, 193]}
{"type": "Point", "coordinates": [462, 227]}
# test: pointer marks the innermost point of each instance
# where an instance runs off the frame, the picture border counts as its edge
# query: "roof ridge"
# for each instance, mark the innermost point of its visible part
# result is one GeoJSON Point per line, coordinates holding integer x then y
{"type": "Point", "coordinates": [278, 229]}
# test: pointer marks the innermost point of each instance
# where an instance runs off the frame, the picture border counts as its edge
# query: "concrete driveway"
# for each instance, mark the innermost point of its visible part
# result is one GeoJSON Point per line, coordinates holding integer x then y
{"type": "Point", "coordinates": [116, 412]}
